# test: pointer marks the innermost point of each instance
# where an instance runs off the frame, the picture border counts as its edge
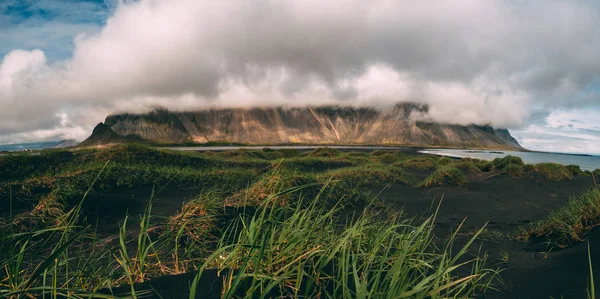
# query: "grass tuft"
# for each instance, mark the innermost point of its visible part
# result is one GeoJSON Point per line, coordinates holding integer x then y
{"type": "Point", "coordinates": [420, 163]}
{"type": "Point", "coordinates": [502, 163]}
{"type": "Point", "coordinates": [569, 224]}
{"type": "Point", "coordinates": [514, 170]}
{"type": "Point", "coordinates": [368, 176]}
{"type": "Point", "coordinates": [552, 171]}
{"type": "Point", "coordinates": [445, 176]}
{"type": "Point", "coordinates": [467, 166]}
{"type": "Point", "coordinates": [308, 253]}
{"type": "Point", "coordinates": [576, 170]}
{"type": "Point", "coordinates": [325, 152]}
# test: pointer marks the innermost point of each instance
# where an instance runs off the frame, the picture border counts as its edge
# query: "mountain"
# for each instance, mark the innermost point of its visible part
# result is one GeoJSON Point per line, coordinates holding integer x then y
{"type": "Point", "coordinates": [66, 143]}
{"type": "Point", "coordinates": [309, 125]}
{"type": "Point", "coordinates": [102, 134]}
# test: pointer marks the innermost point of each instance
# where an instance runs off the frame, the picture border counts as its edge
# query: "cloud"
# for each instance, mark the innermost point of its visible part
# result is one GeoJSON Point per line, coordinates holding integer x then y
{"type": "Point", "coordinates": [565, 130]}
{"type": "Point", "coordinates": [485, 62]}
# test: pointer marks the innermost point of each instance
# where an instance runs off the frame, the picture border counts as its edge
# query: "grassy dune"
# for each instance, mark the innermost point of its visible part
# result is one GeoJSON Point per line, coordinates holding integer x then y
{"type": "Point", "coordinates": [265, 222]}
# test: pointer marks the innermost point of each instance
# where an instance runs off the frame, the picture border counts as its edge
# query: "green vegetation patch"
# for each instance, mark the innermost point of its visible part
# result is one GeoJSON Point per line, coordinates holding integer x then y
{"type": "Point", "coordinates": [388, 156]}
{"type": "Point", "coordinates": [515, 170]}
{"type": "Point", "coordinates": [197, 221]}
{"type": "Point", "coordinates": [309, 253]}
{"type": "Point", "coordinates": [314, 164]}
{"type": "Point", "coordinates": [446, 161]}
{"type": "Point", "coordinates": [372, 175]}
{"type": "Point", "coordinates": [445, 176]}
{"type": "Point", "coordinates": [357, 154]}
{"type": "Point", "coordinates": [269, 231]}
{"type": "Point", "coordinates": [502, 163]}
{"type": "Point", "coordinates": [552, 171]}
{"type": "Point", "coordinates": [570, 223]}
{"type": "Point", "coordinates": [576, 170]}
{"type": "Point", "coordinates": [324, 152]}
{"type": "Point", "coordinates": [420, 163]}
{"type": "Point", "coordinates": [467, 166]}
{"type": "Point", "coordinates": [273, 182]}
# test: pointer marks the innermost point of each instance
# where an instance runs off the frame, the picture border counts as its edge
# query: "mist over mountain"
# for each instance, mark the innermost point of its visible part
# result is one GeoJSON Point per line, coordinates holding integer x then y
{"type": "Point", "coordinates": [400, 125]}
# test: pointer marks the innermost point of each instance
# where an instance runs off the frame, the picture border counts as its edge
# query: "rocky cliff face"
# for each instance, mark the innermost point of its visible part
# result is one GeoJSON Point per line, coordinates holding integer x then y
{"type": "Point", "coordinates": [310, 125]}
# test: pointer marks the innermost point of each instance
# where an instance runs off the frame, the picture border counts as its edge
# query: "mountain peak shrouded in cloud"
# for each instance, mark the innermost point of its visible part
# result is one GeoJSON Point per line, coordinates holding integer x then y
{"type": "Point", "coordinates": [401, 124]}
{"type": "Point", "coordinates": [480, 62]}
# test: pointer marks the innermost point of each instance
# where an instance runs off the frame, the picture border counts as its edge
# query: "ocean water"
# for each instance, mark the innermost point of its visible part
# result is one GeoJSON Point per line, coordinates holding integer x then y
{"type": "Point", "coordinates": [586, 162]}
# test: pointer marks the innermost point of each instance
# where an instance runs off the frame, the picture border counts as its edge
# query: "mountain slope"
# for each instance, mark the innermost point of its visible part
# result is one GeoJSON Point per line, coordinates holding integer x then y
{"type": "Point", "coordinates": [310, 125]}
{"type": "Point", "coordinates": [102, 134]}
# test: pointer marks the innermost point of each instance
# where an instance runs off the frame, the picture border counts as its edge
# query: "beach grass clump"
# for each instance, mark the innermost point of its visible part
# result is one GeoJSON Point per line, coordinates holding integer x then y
{"type": "Point", "coordinates": [289, 152]}
{"type": "Point", "coordinates": [315, 164]}
{"type": "Point", "coordinates": [446, 161]}
{"type": "Point", "coordinates": [368, 176]}
{"type": "Point", "coordinates": [467, 166]}
{"type": "Point", "coordinates": [272, 182]}
{"type": "Point", "coordinates": [377, 153]}
{"type": "Point", "coordinates": [324, 152]}
{"type": "Point", "coordinates": [196, 223]}
{"type": "Point", "coordinates": [576, 170]}
{"type": "Point", "coordinates": [286, 252]}
{"type": "Point", "coordinates": [485, 166]}
{"type": "Point", "coordinates": [502, 163]}
{"type": "Point", "coordinates": [514, 170]}
{"type": "Point", "coordinates": [569, 224]}
{"type": "Point", "coordinates": [419, 163]}
{"type": "Point", "coordinates": [552, 171]}
{"type": "Point", "coordinates": [445, 176]}
{"type": "Point", "coordinates": [357, 154]}
{"type": "Point", "coordinates": [388, 156]}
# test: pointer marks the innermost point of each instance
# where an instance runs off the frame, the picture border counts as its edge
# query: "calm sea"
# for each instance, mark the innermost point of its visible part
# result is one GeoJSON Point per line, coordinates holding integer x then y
{"type": "Point", "coordinates": [586, 162]}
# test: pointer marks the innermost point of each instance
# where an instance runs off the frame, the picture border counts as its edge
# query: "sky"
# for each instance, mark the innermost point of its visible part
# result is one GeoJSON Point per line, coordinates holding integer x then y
{"type": "Point", "coordinates": [530, 66]}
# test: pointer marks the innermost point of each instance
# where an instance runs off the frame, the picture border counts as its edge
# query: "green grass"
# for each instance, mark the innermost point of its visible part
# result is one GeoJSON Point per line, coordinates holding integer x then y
{"type": "Point", "coordinates": [272, 182]}
{"type": "Point", "coordinates": [552, 171]}
{"type": "Point", "coordinates": [388, 156]}
{"type": "Point", "coordinates": [569, 224]}
{"type": "Point", "coordinates": [304, 253]}
{"type": "Point", "coordinates": [274, 223]}
{"type": "Point", "coordinates": [299, 240]}
{"type": "Point", "coordinates": [502, 163]}
{"type": "Point", "coordinates": [467, 166]}
{"type": "Point", "coordinates": [369, 176]}
{"type": "Point", "coordinates": [315, 164]}
{"type": "Point", "coordinates": [576, 170]}
{"type": "Point", "coordinates": [515, 170]}
{"type": "Point", "coordinates": [445, 176]}
{"type": "Point", "coordinates": [420, 163]}
{"type": "Point", "coordinates": [324, 152]}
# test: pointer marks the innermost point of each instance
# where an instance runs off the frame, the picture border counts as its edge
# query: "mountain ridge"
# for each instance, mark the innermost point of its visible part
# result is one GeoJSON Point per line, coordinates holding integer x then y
{"type": "Point", "coordinates": [307, 125]}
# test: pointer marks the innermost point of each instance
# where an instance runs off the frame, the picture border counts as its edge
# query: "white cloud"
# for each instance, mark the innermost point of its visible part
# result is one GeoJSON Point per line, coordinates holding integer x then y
{"type": "Point", "coordinates": [479, 62]}
{"type": "Point", "coordinates": [573, 131]}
